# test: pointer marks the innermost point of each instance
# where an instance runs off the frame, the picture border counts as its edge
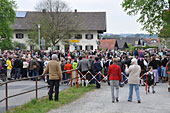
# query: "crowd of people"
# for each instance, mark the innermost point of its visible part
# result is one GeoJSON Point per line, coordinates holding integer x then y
{"type": "Point", "coordinates": [154, 63]}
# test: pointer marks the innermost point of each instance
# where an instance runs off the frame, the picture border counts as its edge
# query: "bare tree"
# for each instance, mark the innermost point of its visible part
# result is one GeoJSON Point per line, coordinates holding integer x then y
{"type": "Point", "coordinates": [57, 22]}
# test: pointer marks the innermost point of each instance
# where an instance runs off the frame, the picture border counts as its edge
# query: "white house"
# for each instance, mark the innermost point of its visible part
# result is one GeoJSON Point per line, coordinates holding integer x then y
{"type": "Point", "coordinates": [92, 24]}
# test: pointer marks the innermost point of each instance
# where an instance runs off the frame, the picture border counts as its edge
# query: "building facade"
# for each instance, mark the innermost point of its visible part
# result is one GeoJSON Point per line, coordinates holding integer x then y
{"type": "Point", "coordinates": [92, 24]}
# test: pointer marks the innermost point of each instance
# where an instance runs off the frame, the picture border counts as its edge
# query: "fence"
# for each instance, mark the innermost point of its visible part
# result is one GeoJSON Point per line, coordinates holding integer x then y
{"type": "Point", "coordinates": [93, 77]}
{"type": "Point", "coordinates": [36, 87]}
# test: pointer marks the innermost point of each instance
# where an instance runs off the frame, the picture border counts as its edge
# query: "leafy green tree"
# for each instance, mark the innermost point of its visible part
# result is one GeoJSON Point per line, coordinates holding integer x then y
{"type": "Point", "coordinates": [151, 13]}
{"type": "Point", "coordinates": [7, 17]}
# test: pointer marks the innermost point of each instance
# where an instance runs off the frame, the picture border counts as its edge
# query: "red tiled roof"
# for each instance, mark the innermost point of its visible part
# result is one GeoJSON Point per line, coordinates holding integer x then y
{"type": "Point", "coordinates": [108, 43]}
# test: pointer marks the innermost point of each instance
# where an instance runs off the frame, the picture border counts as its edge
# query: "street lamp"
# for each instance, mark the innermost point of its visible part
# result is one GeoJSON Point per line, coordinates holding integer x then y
{"type": "Point", "coordinates": [39, 36]}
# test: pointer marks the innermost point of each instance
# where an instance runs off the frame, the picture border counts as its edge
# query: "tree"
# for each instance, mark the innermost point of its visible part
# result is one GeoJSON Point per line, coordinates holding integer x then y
{"type": "Point", "coordinates": [56, 22]}
{"type": "Point", "coordinates": [7, 17]}
{"type": "Point", "coordinates": [151, 13]}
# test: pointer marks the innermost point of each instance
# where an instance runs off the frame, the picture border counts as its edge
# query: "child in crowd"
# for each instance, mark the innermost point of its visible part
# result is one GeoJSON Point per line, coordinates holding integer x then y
{"type": "Point", "coordinates": [150, 79]}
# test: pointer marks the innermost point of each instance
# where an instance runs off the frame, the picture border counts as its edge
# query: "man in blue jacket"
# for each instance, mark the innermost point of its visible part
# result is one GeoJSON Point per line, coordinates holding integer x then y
{"type": "Point", "coordinates": [97, 69]}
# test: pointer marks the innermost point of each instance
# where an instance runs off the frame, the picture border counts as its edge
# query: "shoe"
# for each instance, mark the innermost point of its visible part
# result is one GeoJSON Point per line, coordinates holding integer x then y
{"type": "Point", "coordinates": [113, 101]}
{"type": "Point", "coordinates": [153, 92]}
{"type": "Point", "coordinates": [117, 100]}
{"type": "Point", "coordinates": [139, 101]}
{"type": "Point", "coordinates": [129, 101]}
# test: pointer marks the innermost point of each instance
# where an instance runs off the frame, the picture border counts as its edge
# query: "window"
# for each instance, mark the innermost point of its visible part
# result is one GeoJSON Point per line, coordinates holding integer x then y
{"type": "Point", "coordinates": [78, 47]}
{"type": "Point", "coordinates": [78, 36]}
{"type": "Point", "coordinates": [89, 36]}
{"type": "Point", "coordinates": [89, 47]}
{"type": "Point", "coordinates": [19, 36]}
{"type": "Point", "coordinates": [57, 47]}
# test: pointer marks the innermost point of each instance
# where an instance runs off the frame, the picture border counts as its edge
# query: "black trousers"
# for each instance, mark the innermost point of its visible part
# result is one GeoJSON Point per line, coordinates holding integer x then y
{"type": "Point", "coordinates": [52, 84]}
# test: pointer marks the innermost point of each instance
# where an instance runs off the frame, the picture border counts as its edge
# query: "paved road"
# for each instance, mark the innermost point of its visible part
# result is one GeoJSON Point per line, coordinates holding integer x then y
{"type": "Point", "coordinates": [99, 101]}
{"type": "Point", "coordinates": [22, 86]}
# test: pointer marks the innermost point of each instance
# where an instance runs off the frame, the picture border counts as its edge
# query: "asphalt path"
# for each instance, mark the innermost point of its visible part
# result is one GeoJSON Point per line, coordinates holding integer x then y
{"type": "Point", "coordinates": [22, 86]}
{"type": "Point", "coordinates": [99, 101]}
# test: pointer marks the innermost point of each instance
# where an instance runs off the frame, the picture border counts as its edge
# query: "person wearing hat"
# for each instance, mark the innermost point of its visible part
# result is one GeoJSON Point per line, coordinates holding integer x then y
{"type": "Point", "coordinates": [115, 77]}
{"type": "Point", "coordinates": [134, 71]}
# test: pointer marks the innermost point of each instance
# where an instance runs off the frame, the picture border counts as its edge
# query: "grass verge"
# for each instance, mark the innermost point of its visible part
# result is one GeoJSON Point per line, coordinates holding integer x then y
{"type": "Point", "coordinates": [43, 105]}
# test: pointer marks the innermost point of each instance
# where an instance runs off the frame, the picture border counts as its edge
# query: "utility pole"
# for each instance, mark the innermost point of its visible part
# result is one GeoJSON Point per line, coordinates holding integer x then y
{"type": "Point", "coordinates": [38, 36]}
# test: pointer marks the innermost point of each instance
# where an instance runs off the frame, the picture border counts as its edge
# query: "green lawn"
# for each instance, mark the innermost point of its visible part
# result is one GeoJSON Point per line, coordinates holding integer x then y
{"type": "Point", "coordinates": [43, 105]}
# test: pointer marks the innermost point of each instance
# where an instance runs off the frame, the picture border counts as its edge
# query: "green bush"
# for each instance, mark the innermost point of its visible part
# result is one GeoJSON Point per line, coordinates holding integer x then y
{"type": "Point", "coordinates": [21, 46]}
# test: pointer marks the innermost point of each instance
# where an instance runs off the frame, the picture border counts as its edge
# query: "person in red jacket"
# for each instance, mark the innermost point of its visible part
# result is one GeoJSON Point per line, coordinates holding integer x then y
{"type": "Point", "coordinates": [67, 67]}
{"type": "Point", "coordinates": [114, 73]}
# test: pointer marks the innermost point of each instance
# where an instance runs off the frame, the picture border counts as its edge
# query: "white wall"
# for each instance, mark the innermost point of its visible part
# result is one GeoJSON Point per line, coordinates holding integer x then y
{"type": "Point", "coordinates": [23, 40]}
{"type": "Point", "coordinates": [82, 41]}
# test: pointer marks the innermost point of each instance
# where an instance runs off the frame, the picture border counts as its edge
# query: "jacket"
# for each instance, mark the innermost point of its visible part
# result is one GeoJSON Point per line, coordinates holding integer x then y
{"type": "Point", "coordinates": [114, 72]}
{"type": "Point", "coordinates": [67, 67]}
{"type": "Point", "coordinates": [53, 67]}
{"type": "Point", "coordinates": [83, 65]}
{"type": "Point", "coordinates": [74, 65]}
{"type": "Point", "coordinates": [9, 64]}
{"type": "Point", "coordinates": [18, 63]}
{"type": "Point", "coordinates": [97, 67]}
{"type": "Point", "coordinates": [134, 73]}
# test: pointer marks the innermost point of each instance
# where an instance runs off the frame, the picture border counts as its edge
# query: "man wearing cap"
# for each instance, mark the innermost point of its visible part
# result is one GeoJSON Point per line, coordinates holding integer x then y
{"type": "Point", "coordinates": [55, 76]}
{"type": "Point", "coordinates": [134, 73]}
{"type": "Point", "coordinates": [114, 73]}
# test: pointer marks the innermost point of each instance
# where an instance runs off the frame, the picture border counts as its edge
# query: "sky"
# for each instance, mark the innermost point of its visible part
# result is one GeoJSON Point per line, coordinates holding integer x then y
{"type": "Point", "coordinates": [117, 20]}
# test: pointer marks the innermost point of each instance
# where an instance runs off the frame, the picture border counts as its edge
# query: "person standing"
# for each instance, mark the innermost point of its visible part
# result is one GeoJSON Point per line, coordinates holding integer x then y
{"type": "Point", "coordinates": [164, 72]}
{"type": "Point", "coordinates": [55, 76]}
{"type": "Point", "coordinates": [35, 66]}
{"type": "Point", "coordinates": [168, 69]}
{"type": "Point", "coordinates": [134, 73]}
{"type": "Point", "coordinates": [9, 68]}
{"type": "Point", "coordinates": [154, 64]}
{"type": "Point", "coordinates": [97, 70]}
{"type": "Point", "coordinates": [67, 68]}
{"type": "Point", "coordinates": [25, 68]}
{"type": "Point", "coordinates": [74, 73]}
{"type": "Point", "coordinates": [84, 66]}
{"type": "Point", "coordinates": [18, 66]}
{"type": "Point", "coordinates": [62, 64]}
{"type": "Point", "coordinates": [115, 78]}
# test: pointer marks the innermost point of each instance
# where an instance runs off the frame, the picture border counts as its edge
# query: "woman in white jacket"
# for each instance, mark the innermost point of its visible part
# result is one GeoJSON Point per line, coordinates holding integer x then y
{"type": "Point", "coordinates": [25, 68]}
{"type": "Point", "coordinates": [134, 76]}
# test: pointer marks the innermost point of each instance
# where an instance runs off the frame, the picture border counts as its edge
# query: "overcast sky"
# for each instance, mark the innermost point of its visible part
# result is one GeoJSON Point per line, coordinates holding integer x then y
{"type": "Point", "coordinates": [117, 20]}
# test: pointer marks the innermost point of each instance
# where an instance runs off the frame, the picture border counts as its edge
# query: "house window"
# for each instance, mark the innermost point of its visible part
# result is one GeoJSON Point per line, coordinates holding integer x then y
{"type": "Point", "coordinates": [78, 36]}
{"type": "Point", "coordinates": [89, 47]}
{"type": "Point", "coordinates": [57, 47]}
{"type": "Point", "coordinates": [153, 41]}
{"type": "Point", "coordinates": [78, 47]}
{"type": "Point", "coordinates": [19, 36]}
{"type": "Point", "coordinates": [89, 36]}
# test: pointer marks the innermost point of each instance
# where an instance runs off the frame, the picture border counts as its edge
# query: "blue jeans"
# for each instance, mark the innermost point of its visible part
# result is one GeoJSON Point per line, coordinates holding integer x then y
{"type": "Point", "coordinates": [35, 73]}
{"type": "Point", "coordinates": [131, 91]}
{"type": "Point", "coordinates": [17, 73]}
